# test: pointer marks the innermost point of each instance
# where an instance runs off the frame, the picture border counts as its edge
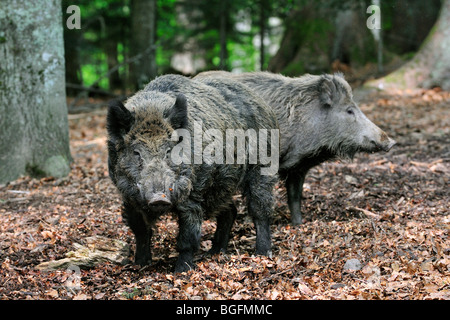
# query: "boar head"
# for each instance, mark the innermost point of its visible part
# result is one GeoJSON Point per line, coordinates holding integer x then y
{"type": "Point", "coordinates": [139, 146]}
{"type": "Point", "coordinates": [345, 129]}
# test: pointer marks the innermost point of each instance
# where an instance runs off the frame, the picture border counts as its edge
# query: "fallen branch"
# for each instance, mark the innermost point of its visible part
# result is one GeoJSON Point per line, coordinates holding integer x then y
{"type": "Point", "coordinates": [366, 212]}
{"type": "Point", "coordinates": [97, 250]}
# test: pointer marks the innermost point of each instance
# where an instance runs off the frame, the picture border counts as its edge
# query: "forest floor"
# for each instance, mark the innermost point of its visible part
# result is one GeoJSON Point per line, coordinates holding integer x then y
{"type": "Point", "coordinates": [377, 227]}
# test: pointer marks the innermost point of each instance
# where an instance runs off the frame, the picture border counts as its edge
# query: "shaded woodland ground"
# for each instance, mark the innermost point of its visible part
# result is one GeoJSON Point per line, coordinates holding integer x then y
{"type": "Point", "coordinates": [389, 211]}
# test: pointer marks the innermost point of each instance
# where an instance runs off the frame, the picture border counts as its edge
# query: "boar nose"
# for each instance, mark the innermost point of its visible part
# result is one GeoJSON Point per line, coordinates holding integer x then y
{"type": "Point", "coordinates": [391, 143]}
{"type": "Point", "coordinates": [159, 201]}
{"type": "Point", "coordinates": [385, 143]}
{"type": "Point", "coordinates": [385, 146]}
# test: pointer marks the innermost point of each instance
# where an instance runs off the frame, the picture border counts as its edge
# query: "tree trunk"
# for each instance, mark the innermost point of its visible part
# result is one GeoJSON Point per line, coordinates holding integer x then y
{"type": "Point", "coordinates": [33, 111]}
{"type": "Point", "coordinates": [73, 61]}
{"type": "Point", "coordinates": [305, 46]}
{"type": "Point", "coordinates": [290, 43]}
{"type": "Point", "coordinates": [223, 35]}
{"type": "Point", "coordinates": [431, 65]}
{"type": "Point", "coordinates": [72, 50]}
{"type": "Point", "coordinates": [143, 25]}
{"type": "Point", "coordinates": [115, 82]}
{"type": "Point", "coordinates": [262, 32]}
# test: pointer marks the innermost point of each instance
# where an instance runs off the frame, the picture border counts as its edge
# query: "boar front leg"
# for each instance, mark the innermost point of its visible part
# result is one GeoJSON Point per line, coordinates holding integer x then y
{"type": "Point", "coordinates": [142, 233]}
{"type": "Point", "coordinates": [294, 187]}
{"type": "Point", "coordinates": [225, 220]}
{"type": "Point", "coordinates": [190, 219]}
{"type": "Point", "coordinates": [260, 202]}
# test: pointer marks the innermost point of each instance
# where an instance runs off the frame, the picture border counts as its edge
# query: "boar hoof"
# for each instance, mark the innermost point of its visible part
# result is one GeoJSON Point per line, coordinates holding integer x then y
{"type": "Point", "coordinates": [267, 253]}
{"type": "Point", "coordinates": [142, 262]}
{"type": "Point", "coordinates": [215, 250]}
{"type": "Point", "coordinates": [264, 252]}
{"type": "Point", "coordinates": [296, 219]}
{"type": "Point", "coordinates": [142, 256]}
{"type": "Point", "coordinates": [183, 266]}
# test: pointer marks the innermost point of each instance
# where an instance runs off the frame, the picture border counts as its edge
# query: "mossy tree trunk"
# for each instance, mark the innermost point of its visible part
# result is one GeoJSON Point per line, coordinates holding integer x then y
{"type": "Point", "coordinates": [430, 66]}
{"type": "Point", "coordinates": [34, 137]}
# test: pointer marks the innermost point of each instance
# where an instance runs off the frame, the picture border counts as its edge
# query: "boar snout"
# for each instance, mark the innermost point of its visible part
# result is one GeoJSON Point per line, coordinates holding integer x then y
{"type": "Point", "coordinates": [381, 146]}
{"type": "Point", "coordinates": [385, 143]}
{"type": "Point", "coordinates": [376, 139]}
{"type": "Point", "coordinates": [159, 202]}
{"type": "Point", "coordinates": [389, 145]}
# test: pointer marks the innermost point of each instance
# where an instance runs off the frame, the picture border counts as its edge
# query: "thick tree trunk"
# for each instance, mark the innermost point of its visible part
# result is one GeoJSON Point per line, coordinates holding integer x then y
{"type": "Point", "coordinates": [143, 24]}
{"type": "Point", "coordinates": [34, 135]}
{"type": "Point", "coordinates": [431, 65]}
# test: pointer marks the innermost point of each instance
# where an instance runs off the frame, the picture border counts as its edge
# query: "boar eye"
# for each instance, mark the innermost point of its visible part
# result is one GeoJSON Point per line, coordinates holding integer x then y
{"type": "Point", "coordinates": [137, 155]}
{"type": "Point", "coordinates": [350, 111]}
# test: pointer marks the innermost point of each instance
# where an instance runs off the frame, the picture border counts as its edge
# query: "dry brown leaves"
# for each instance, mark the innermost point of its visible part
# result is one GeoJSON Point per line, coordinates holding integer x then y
{"type": "Point", "coordinates": [390, 212]}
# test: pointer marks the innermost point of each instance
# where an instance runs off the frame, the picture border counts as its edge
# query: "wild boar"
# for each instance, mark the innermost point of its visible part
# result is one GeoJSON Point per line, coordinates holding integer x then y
{"type": "Point", "coordinates": [155, 146]}
{"type": "Point", "coordinates": [319, 121]}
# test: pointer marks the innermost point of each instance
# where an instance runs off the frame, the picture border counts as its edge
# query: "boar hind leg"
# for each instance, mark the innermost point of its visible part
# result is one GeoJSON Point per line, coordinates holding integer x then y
{"type": "Point", "coordinates": [294, 187]}
{"type": "Point", "coordinates": [188, 242]}
{"type": "Point", "coordinates": [260, 202]}
{"type": "Point", "coordinates": [225, 220]}
{"type": "Point", "coordinates": [142, 234]}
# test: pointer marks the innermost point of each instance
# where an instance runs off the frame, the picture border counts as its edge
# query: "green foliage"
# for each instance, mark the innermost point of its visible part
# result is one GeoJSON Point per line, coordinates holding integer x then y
{"type": "Point", "coordinates": [294, 69]}
{"type": "Point", "coordinates": [200, 26]}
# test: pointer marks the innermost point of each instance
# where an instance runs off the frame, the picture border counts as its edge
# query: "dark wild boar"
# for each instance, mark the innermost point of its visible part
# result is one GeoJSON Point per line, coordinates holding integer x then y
{"type": "Point", "coordinates": [318, 120]}
{"type": "Point", "coordinates": [141, 144]}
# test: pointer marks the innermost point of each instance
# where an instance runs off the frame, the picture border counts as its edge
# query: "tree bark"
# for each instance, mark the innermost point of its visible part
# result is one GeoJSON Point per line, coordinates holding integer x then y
{"type": "Point", "coordinates": [33, 111]}
{"type": "Point", "coordinates": [73, 61]}
{"type": "Point", "coordinates": [290, 43]}
{"type": "Point", "coordinates": [143, 25]}
{"type": "Point", "coordinates": [430, 66]}
{"type": "Point", "coordinates": [115, 82]}
{"type": "Point", "coordinates": [223, 35]}
{"type": "Point", "coordinates": [306, 42]}
{"type": "Point", "coordinates": [262, 32]}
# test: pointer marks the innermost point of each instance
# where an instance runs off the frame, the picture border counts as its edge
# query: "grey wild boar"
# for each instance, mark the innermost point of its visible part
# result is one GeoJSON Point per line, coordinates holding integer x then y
{"type": "Point", "coordinates": [319, 121]}
{"type": "Point", "coordinates": [164, 155]}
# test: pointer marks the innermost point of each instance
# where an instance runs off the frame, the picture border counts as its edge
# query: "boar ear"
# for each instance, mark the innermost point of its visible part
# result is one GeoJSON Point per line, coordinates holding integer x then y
{"type": "Point", "coordinates": [118, 121]}
{"type": "Point", "coordinates": [327, 90]}
{"type": "Point", "coordinates": [177, 115]}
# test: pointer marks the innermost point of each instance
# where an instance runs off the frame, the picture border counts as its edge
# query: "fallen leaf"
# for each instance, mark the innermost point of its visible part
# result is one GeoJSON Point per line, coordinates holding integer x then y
{"type": "Point", "coordinates": [80, 296]}
{"type": "Point", "coordinates": [52, 293]}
